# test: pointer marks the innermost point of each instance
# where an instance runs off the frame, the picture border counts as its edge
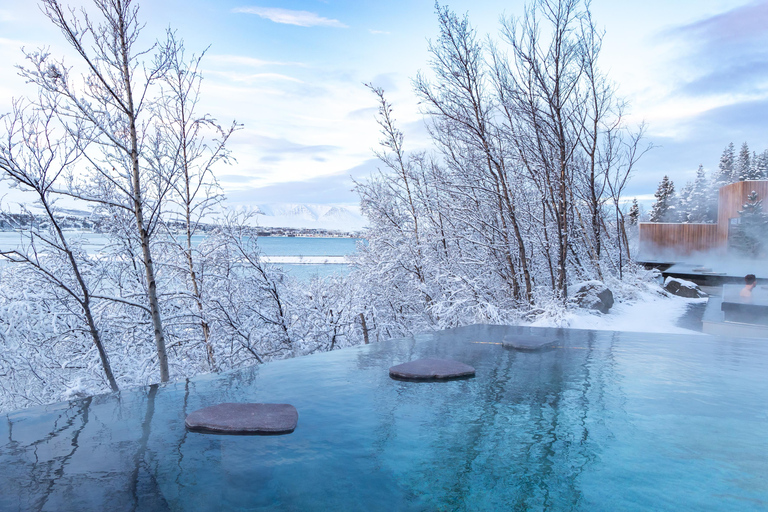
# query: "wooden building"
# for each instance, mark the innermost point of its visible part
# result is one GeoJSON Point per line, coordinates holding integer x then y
{"type": "Point", "coordinates": [671, 241]}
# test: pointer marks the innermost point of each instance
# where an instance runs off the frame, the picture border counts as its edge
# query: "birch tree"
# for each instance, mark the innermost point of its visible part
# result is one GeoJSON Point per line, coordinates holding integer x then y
{"type": "Point", "coordinates": [189, 146]}
{"type": "Point", "coordinates": [107, 110]}
{"type": "Point", "coordinates": [33, 157]}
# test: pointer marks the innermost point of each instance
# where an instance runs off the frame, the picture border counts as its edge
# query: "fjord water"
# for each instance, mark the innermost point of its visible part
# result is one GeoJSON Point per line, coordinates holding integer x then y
{"type": "Point", "coordinates": [602, 421]}
{"type": "Point", "coordinates": [309, 246]}
{"type": "Point", "coordinates": [269, 245]}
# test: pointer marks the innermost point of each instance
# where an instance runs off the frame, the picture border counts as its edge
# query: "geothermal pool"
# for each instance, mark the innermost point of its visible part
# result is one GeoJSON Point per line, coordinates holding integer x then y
{"type": "Point", "coordinates": [601, 421]}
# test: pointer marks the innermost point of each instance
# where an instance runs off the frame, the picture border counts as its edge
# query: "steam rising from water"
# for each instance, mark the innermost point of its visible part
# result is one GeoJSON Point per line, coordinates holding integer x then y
{"type": "Point", "coordinates": [708, 262]}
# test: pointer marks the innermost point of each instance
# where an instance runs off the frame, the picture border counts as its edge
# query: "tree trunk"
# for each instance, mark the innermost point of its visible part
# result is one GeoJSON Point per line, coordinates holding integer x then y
{"type": "Point", "coordinates": [138, 211]}
{"type": "Point", "coordinates": [365, 328]}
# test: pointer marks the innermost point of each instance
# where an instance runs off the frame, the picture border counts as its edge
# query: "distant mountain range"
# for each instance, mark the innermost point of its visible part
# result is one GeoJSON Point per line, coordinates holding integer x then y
{"type": "Point", "coordinates": [317, 216]}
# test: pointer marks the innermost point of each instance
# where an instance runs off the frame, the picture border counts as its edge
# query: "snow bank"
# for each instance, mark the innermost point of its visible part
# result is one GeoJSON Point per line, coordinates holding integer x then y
{"type": "Point", "coordinates": [642, 307]}
{"type": "Point", "coordinates": [683, 288]}
{"type": "Point", "coordinates": [652, 313]}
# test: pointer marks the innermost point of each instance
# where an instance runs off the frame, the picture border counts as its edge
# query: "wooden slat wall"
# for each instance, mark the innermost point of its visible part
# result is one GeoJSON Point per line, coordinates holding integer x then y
{"type": "Point", "coordinates": [731, 199]}
{"type": "Point", "coordinates": [668, 240]}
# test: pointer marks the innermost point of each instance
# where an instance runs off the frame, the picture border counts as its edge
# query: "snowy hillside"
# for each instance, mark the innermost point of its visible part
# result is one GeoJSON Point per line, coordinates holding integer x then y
{"type": "Point", "coordinates": [319, 216]}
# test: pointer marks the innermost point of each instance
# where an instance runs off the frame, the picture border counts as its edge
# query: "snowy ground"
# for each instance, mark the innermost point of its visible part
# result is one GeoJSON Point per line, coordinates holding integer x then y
{"type": "Point", "coordinates": [649, 312]}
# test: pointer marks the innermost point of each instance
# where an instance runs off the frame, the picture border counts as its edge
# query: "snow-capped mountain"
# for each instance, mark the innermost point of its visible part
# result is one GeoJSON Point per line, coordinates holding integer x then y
{"type": "Point", "coordinates": [318, 216]}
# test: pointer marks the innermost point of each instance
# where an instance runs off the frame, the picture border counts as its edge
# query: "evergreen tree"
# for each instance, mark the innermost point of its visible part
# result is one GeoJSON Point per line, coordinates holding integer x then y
{"type": "Point", "coordinates": [761, 166]}
{"type": "Point", "coordinates": [634, 213]}
{"type": "Point", "coordinates": [754, 173]}
{"type": "Point", "coordinates": [724, 174]}
{"type": "Point", "coordinates": [699, 200]}
{"type": "Point", "coordinates": [663, 210]}
{"type": "Point", "coordinates": [743, 163]}
{"type": "Point", "coordinates": [748, 236]}
{"type": "Point", "coordinates": [682, 204]}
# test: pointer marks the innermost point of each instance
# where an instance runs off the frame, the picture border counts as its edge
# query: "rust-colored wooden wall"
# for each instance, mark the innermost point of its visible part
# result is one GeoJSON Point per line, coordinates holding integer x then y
{"type": "Point", "coordinates": [671, 239]}
{"type": "Point", "coordinates": [732, 199]}
{"type": "Point", "coordinates": [667, 239]}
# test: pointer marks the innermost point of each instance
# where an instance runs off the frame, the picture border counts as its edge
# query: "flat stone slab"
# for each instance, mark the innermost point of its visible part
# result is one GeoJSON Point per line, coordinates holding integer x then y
{"type": "Point", "coordinates": [528, 342]}
{"type": "Point", "coordinates": [260, 419]}
{"type": "Point", "coordinates": [431, 369]}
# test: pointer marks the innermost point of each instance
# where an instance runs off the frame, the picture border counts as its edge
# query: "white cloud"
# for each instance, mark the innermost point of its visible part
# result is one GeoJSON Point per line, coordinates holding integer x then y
{"type": "Point", "coordinates": [241, 60]}
{"type": "Point", "coordinates": [11, 42]}
{"type": "Point", "coordinates": [254, 77]}
{"type": "Point", "coordinates": [384, 32]}
{"type": "Point", "coordinates": [7, 16]}
{"type": "Point", "coordinates": [291, 17]}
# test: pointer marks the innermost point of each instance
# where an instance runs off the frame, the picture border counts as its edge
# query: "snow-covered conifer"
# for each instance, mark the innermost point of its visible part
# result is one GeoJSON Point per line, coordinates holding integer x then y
{"type": "Point", "coordinates": [741, 169]}
{"type": "Point", "coordinates": [753, 172]}
{"type": "Point", "coordinates": [663, 210]}
{"type": "Point", "coordinates": [699, 200]}
{"type": "Point", "coordinates": [760, 164]}
{"type": "Point", "coordinates": [724, 174]}
{"type": "Point", "coordinates": [748, 237]}
{"type": "Point", "coordinates": [634, 213]}
{"type": "Point", "coordinates": [682, 204]}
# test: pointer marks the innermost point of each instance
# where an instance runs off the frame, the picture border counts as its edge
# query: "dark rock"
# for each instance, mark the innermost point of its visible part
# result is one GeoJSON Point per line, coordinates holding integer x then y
{"type": "Point", "coordinates": [431, 369]}
{"type": "Point", "coordinates": [264, 419]}
{"type": "Point", "coordinates": [593, 295]}
{"type": "Point", "coordinates": [683, 288]}
{"type": "Point", "coordinates": [529, 343]}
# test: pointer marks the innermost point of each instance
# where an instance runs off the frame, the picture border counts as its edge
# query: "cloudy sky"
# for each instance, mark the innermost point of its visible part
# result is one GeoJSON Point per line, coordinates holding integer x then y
{"type": "Point", "coordinates": [292, 72]}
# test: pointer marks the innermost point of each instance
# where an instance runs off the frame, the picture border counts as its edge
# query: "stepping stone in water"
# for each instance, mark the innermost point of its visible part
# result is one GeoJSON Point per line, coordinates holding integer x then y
{"type": "Point", "coordinates": [431, 369]}
{"type": "Point", "coordinates": [261, 419]}
{"type": "Point", "coordinates": [528, 342]}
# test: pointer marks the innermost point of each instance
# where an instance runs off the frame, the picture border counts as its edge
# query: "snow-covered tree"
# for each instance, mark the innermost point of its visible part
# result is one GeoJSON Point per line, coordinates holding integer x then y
{"type": "Point", "coordinates": [752, 173]}
{"type": "Point", "coordinates": [681, 203]}
{"type": "Point", "coordinates": [748, 238]}
{"type": "Point", "coordinates": [664, 210]}
{"type": "Point", "coordinates": [521, 195]}
{"type": "Point", "coordinates": [759, 166]}
{"type": "Point", "coordinates": [108, 109]}
{"type": "Point", "coordinates": [188, 145]}
{"type": "Point", "coordinates": [33, 157]}
{"type": "Point", "coordinates": [743, 164]}
{"type": "Point", "coordinates": [699, 201]}
{"type": "Point", "coordinates": [725, 168]}
{"type": "Point", "coordinates": [634, 213]}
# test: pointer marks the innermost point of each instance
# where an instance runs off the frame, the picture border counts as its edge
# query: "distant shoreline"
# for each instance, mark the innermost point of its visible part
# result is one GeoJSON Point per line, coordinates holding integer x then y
{"type": "Point", "coordinates": [306, 260]}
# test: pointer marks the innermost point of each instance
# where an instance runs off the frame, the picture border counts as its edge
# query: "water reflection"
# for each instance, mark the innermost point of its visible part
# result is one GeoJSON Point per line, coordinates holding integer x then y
{"type": "Point", "coordinates": [566, 429]}
{"type": "Point", "coordinates": [521, 428]}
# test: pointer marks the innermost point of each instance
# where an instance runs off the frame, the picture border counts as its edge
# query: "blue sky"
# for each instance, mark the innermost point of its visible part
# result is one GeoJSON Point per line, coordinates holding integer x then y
{"type": "Point", "coordinates": [292, 71]}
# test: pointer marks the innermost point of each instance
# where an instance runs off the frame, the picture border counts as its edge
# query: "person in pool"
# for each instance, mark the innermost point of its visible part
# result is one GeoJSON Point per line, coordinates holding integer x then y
{"type": "Point", "coordinates": [750, 282]}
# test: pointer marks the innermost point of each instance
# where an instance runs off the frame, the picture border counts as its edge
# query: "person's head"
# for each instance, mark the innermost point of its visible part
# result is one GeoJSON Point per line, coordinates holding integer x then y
{"type": "Point", "coordinates": [750, 280]}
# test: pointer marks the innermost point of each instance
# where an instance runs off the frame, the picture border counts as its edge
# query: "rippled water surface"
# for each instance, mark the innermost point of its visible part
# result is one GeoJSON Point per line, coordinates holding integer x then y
{"type": "Point", "coordinates": [603, 421]}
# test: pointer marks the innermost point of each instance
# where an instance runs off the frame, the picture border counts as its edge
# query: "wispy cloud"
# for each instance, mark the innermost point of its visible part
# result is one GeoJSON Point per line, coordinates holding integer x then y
{"type": "Point", "coordinates": [725, 54]}
{"type": "Point", "coordinates": [6, 16]}
{"type": "Point", "coordinates": [253, 62]}
{"type": "Point", "coordinates": [740, 24]}
{"type": "Point", "coordinates": [383, 32]}
{"type": "Point", "coordinates": [254, 77]}
{"type": "Point", "coordinates": [333, 188]}
{"type": "Point", "coordinates": [274, 145]}
{"type": "Point", "coordinates": [291, 17]}
{"type": "Point", "coordinates": [11, 42]}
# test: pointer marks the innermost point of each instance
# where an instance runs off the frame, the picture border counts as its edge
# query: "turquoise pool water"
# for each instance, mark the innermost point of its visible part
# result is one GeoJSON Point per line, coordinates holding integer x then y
{"type": "Point", "coordinates": [604, 421]}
